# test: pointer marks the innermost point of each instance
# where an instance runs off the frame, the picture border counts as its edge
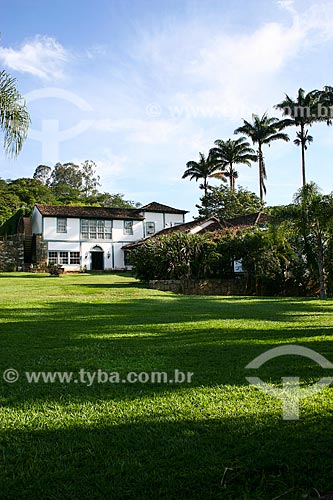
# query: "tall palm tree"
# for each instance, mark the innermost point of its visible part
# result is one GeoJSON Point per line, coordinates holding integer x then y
{"type": "Point", "coordinates": [203, 169]}
{"type": "Point", "coordinates": [233, 152]}
{"type": "Point", "coordinates": [14, 117]}
{"type": "Point", "coordinates": [263, 130]}
{"type": "Point", "coordinates": [301, 112]}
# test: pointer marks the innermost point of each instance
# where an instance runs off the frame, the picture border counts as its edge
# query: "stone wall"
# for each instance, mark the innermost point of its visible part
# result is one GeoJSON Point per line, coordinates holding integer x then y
{"type": "Point", "coordinates": [236, 286]}
{"type": "Point", "coordinates": [39, 251]}
{"type": "Point", "coordinates": [12, 253]}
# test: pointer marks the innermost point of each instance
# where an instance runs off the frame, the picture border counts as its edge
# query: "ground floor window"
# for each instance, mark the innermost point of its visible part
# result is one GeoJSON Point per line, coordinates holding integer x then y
{"type": "Point", "coordinates": [74, 257]}
{"type": "Point", "coordinates": [64, 257]}
{"type": "Point", "coordinates": [53, 257]}
{"type": "Point", "coordinates": [127, 258]}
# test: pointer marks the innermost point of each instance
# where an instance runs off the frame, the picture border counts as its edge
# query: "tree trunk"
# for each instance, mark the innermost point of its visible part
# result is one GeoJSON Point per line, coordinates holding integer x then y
{"type": "Point", "coordinates": [231, 180]}
{"type": "Point", "coordinates": [303, 155]}
{"type": "Point", "coordinates": [260, 175]}
{"type": "Point", "coordinates": [205, 186]}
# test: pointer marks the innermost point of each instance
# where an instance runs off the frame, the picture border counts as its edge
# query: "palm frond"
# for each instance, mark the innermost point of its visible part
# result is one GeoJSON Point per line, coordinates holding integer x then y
{"type": "Point", "coordinates": [14, 117]}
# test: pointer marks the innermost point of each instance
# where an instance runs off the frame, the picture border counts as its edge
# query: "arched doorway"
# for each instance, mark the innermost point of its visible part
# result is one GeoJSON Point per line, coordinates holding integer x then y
{"type": "Point", "coordinates": [97, 258]}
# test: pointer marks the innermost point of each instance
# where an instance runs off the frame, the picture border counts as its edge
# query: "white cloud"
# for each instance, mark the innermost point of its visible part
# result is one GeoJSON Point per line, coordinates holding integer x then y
{"type": "Point", "coordinates": [139, 130]}
{"type": "Point", "coordinates": [218, 74]}
{"type": "Point", "coordinates": [42, 56]}
{"type": "Point", "coordinates": [96, 51]}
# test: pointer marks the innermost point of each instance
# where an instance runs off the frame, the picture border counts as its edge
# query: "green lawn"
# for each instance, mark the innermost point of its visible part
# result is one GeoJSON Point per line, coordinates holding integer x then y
{"type": "Point", "coordinates": [215, 438]}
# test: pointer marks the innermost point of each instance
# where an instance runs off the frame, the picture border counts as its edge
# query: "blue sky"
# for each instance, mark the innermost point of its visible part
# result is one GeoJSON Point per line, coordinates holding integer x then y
{"type": "Point", "coordinates": [142, 86]}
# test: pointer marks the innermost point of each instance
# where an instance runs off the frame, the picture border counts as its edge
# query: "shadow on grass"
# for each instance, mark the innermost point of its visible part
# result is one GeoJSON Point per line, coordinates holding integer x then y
{"type": "Point", "coordinates": [114, 285]}
{"type": "Point", "coordinates": [213, 339]}
{"type": "Point", "coordinates": [225, 458]}
{"type": "Point", "coordinates": [160, 454]}
{"type": "Point", "coordinates": [24, 276]}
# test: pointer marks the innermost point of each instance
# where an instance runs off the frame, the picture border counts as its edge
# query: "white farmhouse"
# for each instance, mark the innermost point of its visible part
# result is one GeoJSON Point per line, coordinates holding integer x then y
{"type": "Point", "coordinates": [93, 237]}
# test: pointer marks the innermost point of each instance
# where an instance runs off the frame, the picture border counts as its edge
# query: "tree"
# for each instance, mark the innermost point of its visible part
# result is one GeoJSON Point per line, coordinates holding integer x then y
{"type": "Point", "coordinates": [175, 256]}
{"type": "Point", "coordinates": [224, 203]}
{"type": "Point", "coordinates": [203, 169]}
{"type": "Point", "coordinates": [90, 181]}
{"type": "Point", "coordinates": [30, 191]}
{"type": "Point", "coordinates": [14, 117]}
{"type": "Point", "coordinates": [303, 139]}
{"type": "Point", "coordinates": [9, 202]}
{"type": "Point", "coordinates": [43, 174]}
{"type": "Point", "coordinates": [233, 152]}
{"type": "Point", "coordinates": [310, 218]}
{"type": "Point", "coordinates": [66, 182]}
{"type": "Point", "coordinates": [115, 200]}
{"type": "Point", "coordinates": [302, 111]}
{"type": "Point", "coordinates": [263, 130]}
{"type": "Point", "coordinates": [67, 173]}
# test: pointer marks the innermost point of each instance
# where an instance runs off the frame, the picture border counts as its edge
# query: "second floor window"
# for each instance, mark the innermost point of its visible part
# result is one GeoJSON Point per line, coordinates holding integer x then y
{"type": "Point", "coordinates": [150, 228]}
{"type": "Point", "coordinates": [61, 225]}
{"type": "Point", "coordinates": [128, 227]}
{"type": "Point", "coordinates": [96, 229]}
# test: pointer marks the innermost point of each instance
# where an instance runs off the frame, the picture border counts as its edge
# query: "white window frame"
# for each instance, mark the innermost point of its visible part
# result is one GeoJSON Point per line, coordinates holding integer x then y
{"type": "Point", "coordinates": [150, 232]}
{"type": "Point", "coordinates": [61, 224]}
{"type": "Point", "coordinates": [128, 227]}
{"type": "Point", "coordinates": [74, 258]}
{"type": "Point", "coordinates": [95, 229]}
{"type": "Point", "coordinates": [52, 259]}
{"type": "Point", "coordinates": [64, 257]}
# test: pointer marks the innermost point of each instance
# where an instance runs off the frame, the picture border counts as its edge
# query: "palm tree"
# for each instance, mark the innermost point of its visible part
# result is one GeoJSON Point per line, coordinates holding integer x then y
{"type": "Point", "coordinates": [14, 117]}
{"type": "Point", "coordinates": [263, 130]}
{"type": "Point", "coordinates": [301, 112]}
{"type": "Point", "coordinates": [310, 219]}
{"type": "Point", "coordinates": [233, 152]}
{"type": "Point", "coordinates": [203, 169]}
{"type": "Point", "coordinates": [303, 139]}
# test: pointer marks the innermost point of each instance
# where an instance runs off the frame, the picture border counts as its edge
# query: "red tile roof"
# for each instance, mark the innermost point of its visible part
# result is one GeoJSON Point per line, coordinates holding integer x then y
{"type": "Point", "coordinates": [248, 220]}
{"type": "Point", "coordinates": [158, 207]}
{"type": "Point", "coordinates": [213, 223]}
{"type": "Point", "coordinates": [89, 212]}
{"type": "Point", "coordinates": [105, 212]}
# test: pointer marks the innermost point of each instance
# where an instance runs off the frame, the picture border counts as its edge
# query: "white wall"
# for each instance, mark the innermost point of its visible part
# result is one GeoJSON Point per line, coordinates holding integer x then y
{"type": "Point", "coordinates": [170, 219]}
{"type": "Point", "coordinates": [63, 245]}
{"type": "Point", "coordinates": [50, 230]}
{"type": "Point", "coordinates": [70, 241]}
{"type": "Point", "coordinates": [163, 220]}
{"type": "Point", "coordinates": [118, 231]}
{"type": "Point", "coordinates": [86, 248]}
{"type": "Point", "coordinates": [118, 256]}
{"type": "Point", "coordinates": [36, 222]}
{"type": "Point", "coordinates": [154, 217]}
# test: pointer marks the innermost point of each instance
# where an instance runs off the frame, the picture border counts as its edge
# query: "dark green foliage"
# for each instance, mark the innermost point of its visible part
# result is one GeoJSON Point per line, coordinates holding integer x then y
{"type": "Point", "coordinates": [180, 255]}
{"type": "Point", "coordinates": [31, 191]}
{"type": "Point", "coordinates": [263, 131]}
{"type": "Point", "coordinates": [112, 200]}
{"type": "Point", "coordinates": [175, 256]}
{"type": "Point", "coordinates": [10, 226]}
{"type": "Point", "coordinates": [65, 184]}
{"type": "Point", "coordinates": [43, 173]}
{"type": "Point", "coordinates": [203, 169]}
{"type": "Point", "coordinates": [225, 203]}
{"type": "Point", "coordinates": [309, 222]}
{"type": "Point", "coordinates": [301, 112]}
{"type": "Point", "coordinates": [230, 153]}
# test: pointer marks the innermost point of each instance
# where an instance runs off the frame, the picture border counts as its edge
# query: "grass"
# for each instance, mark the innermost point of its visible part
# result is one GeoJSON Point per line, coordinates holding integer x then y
{"type": "Point", "coordinates": [216, 438]}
